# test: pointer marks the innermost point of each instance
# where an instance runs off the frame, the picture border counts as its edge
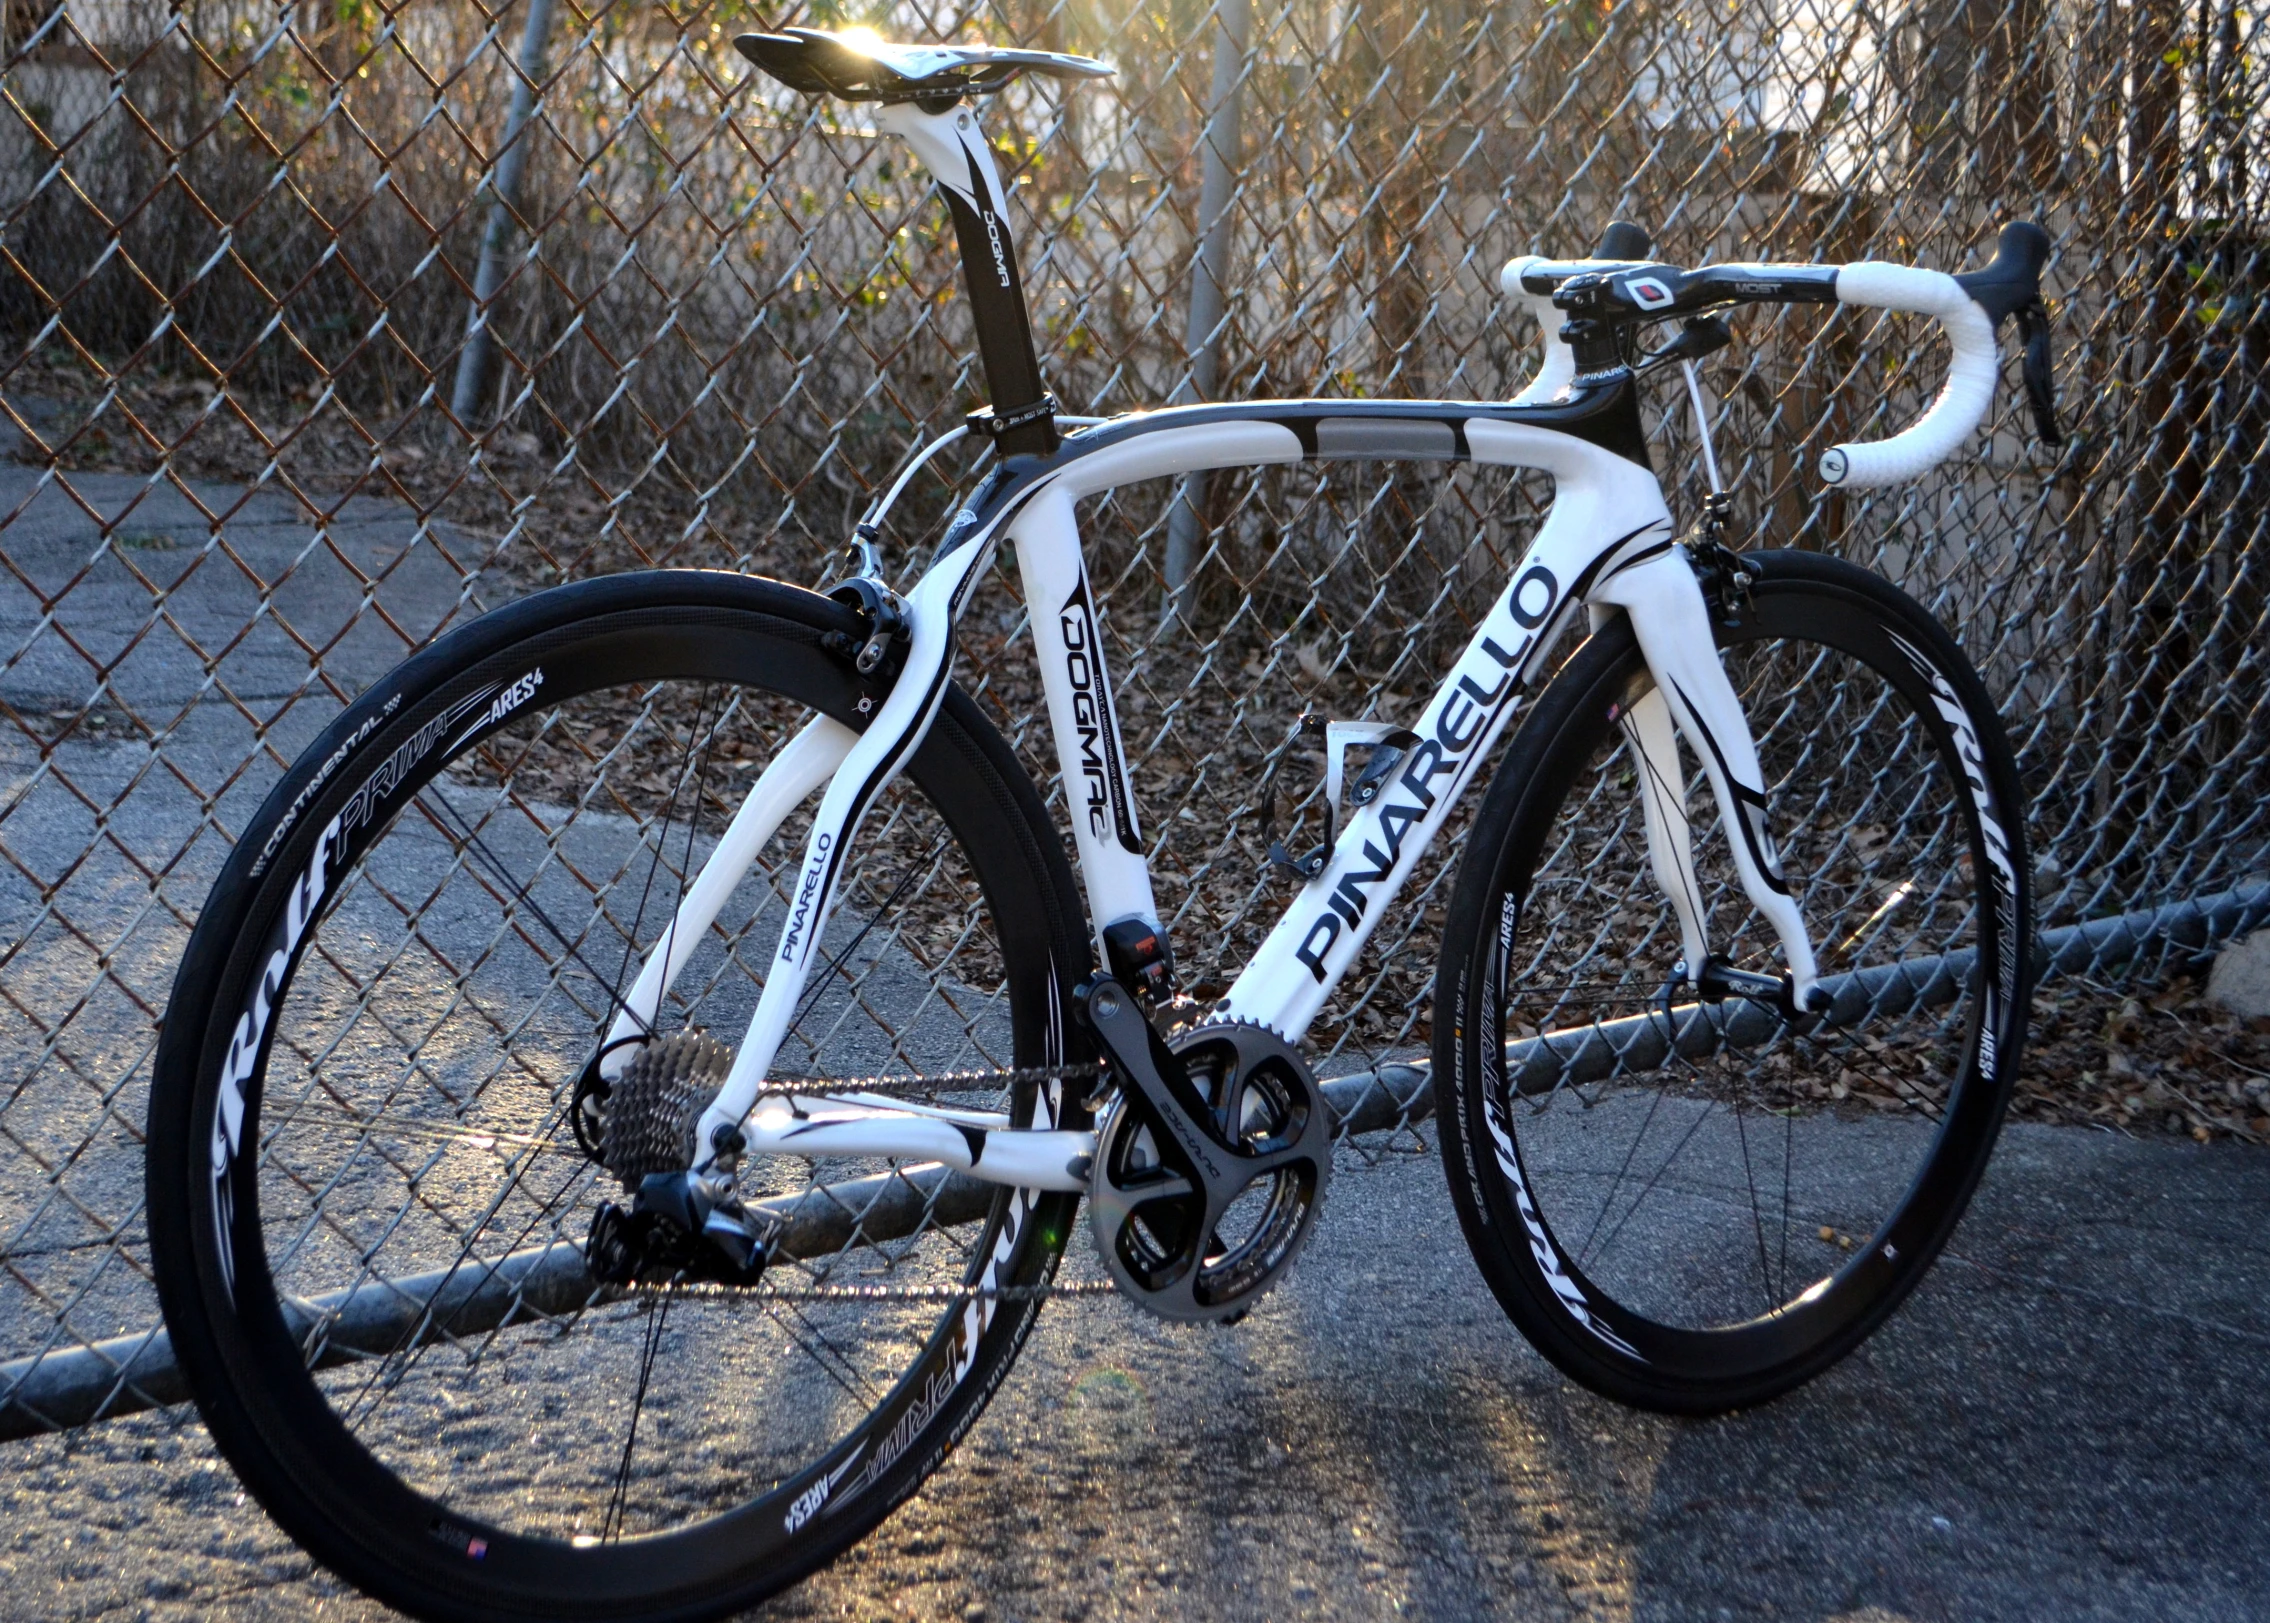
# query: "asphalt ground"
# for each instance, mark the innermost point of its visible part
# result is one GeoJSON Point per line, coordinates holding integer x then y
{"type": "Point", "coordinates": [2069, 1420]}
{"type": "Point", "coordinates": [119, 793]}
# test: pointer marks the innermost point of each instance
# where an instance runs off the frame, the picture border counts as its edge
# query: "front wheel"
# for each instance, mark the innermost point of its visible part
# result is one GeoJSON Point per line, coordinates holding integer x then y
{"type": "Point", "coordinates": [1695, 1206]}
{"type": "Point", "coordinates": [368, 1203]}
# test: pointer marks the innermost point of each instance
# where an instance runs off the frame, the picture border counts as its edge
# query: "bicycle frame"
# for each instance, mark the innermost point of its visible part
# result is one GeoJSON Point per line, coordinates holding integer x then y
{"type": "Point", "coordinates": [1606, 546]}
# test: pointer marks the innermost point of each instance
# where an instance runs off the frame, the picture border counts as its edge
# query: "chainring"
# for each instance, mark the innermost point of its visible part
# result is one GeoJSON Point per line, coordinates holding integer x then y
{"type": "Point", "coordinates": [652, 1109]}
{"type": "Point", "coordinates": [1145, 1205]}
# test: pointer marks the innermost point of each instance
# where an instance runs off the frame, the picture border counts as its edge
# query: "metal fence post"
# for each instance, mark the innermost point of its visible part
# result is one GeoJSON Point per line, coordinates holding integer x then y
{"type": "Point", "coordinates": [1203, 337]}
{"type": "Point", "coordinates": [512, 163]}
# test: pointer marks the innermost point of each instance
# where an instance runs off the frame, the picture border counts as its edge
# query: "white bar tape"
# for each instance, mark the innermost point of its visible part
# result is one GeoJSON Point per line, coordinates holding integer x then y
{"type": "Point", "coordinates": [1962, 403]}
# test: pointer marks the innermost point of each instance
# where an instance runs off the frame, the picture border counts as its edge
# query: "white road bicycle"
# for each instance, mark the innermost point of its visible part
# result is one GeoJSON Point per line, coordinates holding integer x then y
{"type": "Point", "coordinates": [514, 1291]}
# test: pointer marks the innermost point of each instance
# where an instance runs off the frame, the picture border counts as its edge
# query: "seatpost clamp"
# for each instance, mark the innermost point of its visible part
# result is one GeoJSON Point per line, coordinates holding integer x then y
{"type": "Point", "coordinates": [994, 423]}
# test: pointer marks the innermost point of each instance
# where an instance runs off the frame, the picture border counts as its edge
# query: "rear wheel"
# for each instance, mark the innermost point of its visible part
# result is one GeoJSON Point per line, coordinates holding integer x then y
{"type": "Point", "coordinates": [366, 1193]}
{"type": "Point", "coordinates": [1694, 1206]}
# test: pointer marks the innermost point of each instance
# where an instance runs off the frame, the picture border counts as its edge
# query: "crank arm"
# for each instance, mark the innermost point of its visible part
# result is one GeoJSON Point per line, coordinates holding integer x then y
{"type": "Point", "coordinates": [1142, 1060]}
{"type": "Point", "coordinates": [1217, 1171]}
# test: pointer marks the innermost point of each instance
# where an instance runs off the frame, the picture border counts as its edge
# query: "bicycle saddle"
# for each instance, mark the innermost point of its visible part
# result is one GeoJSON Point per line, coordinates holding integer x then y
{"type": "Point", "coordinates": [860, 67]}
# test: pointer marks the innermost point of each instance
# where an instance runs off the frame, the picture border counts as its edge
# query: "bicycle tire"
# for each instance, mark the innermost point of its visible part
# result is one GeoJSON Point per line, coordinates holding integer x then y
{"type": "Point", "coordinates": [1883, 757]}
{"type": "Point", "coordinates": [451, 1484]}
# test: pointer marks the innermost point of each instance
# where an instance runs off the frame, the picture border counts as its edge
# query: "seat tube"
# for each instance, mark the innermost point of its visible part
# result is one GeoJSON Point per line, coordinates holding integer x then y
{"type": "Point", "coordinates": [1082, 713]}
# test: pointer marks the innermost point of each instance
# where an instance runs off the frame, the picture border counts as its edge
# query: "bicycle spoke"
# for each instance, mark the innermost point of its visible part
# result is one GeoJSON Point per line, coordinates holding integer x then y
{"type": "Point", "coordinates": [1757, 1218]}
{"type": "Point", "coordinates": [658, 1315]}
{"type": "Point", "coordinates": [463, 1256]}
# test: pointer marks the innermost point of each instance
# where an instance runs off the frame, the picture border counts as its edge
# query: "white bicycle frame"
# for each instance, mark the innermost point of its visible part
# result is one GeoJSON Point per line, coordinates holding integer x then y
{"type": "Point", "coordinates": [1605, 546]}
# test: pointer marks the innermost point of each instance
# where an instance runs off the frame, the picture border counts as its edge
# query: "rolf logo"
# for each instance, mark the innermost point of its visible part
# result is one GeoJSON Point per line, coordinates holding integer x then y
{"type": "Point", "coordinates": [806, 893]}
{"type": "Point", "coordinates": [2004, 879]}
{"type": "Point", "coordinates": [250, 1036]}
{"type": "Point", "coordinates": [1565, 1290]}
{"type": "Point", "coordinates": [1462, 718]}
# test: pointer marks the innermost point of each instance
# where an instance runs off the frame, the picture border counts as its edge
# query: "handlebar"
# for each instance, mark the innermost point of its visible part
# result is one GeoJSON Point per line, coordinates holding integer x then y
{"type": "Point", "coordinates": [1621, 289]}
{"type": "Point", "coordinates": [1963, 398]}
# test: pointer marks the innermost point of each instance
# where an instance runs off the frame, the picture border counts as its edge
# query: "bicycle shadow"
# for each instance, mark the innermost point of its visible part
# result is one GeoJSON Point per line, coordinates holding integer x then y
{"type": "Point", "coordinates": [2075, 1392]}
{"type": "Point", "coordinates": [2067, 1420]}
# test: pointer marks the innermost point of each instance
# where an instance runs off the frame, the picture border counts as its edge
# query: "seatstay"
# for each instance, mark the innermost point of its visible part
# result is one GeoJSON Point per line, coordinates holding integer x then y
{"type": "Point", "coordinates": [809, 760]}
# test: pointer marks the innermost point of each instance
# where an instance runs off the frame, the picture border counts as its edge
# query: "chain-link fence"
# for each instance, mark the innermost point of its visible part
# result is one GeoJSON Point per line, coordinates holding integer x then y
{"type": "Point", "coordinates": [252, 457]}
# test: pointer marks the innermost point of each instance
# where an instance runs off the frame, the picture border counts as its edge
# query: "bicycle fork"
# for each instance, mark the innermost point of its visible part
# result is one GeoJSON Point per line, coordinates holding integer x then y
{"type": "Point", "coordinates": [1692, 694]}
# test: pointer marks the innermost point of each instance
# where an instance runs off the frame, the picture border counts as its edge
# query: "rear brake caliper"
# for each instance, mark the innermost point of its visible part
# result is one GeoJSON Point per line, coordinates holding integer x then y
{"type": "Point", "coordinates": [884, 628]}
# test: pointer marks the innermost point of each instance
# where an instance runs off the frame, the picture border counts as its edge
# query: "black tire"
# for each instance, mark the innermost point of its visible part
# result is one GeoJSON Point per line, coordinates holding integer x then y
{"type": "Point", "coordinates": [413, 1047]}
{"type": "Point", "coordinates": [1695, 1235]}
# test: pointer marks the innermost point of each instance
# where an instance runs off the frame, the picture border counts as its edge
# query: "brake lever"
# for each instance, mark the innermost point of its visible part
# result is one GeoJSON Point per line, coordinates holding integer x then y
{"type": "Point", "coordinates": [2041, 379]}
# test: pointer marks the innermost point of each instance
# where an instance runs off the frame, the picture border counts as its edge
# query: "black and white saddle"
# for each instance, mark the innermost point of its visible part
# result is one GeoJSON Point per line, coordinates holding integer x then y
{"type": "Point", "coordinates": [860, 67]}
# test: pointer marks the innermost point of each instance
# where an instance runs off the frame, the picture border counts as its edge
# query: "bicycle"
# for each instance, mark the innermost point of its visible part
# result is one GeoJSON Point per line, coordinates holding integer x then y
{"type": "Point", "coordinates": [448, 1224]}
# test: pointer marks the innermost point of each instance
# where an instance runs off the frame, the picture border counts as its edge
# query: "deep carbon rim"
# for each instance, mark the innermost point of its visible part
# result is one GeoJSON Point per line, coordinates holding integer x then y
{"type": "Point", "coordinates": [259, 1353]}
{"type": "Point", "coordinates": [1884, 1259]}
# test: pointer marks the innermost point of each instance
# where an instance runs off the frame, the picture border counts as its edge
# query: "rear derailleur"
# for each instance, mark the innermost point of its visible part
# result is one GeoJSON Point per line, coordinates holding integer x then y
{"type": "Point", "coordinates": [680, 1225]}
{"type": "Point", "coordinates": [678, 1228]}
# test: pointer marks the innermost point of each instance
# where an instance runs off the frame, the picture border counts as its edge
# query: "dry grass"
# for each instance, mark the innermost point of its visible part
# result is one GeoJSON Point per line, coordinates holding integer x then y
{"type": "Point", "coordinates": [2146, 1059]}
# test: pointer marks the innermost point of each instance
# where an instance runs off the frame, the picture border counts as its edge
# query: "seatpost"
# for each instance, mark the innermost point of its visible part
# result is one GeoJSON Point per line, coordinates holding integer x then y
{"type": "Point", "coordinates": [1022, 418]}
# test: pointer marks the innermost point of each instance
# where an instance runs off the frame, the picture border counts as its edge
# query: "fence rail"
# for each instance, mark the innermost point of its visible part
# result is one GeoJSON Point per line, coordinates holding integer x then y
{"type": "Point", "coordinates": [323, 328]}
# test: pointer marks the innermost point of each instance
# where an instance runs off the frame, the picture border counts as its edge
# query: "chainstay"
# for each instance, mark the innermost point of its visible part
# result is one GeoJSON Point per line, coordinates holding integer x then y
{"type": "Point", "coordinates": [893, 1087]}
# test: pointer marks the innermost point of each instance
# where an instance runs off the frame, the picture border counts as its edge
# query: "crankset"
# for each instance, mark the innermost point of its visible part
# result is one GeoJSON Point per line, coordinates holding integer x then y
{"type": "Point", "coordinates": [1210, 1162]}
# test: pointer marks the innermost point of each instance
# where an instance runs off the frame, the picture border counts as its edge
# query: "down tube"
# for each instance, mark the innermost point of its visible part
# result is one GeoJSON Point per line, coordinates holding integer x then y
{"type": "Point", "coordinates": [1316, 941]}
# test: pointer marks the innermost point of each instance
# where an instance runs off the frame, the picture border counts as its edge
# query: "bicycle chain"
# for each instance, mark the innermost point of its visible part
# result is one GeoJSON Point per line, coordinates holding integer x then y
{"type": "Point", "coordinates": [870, 1293]}
{"type": "Point", "coordinates": [924, 1087]}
